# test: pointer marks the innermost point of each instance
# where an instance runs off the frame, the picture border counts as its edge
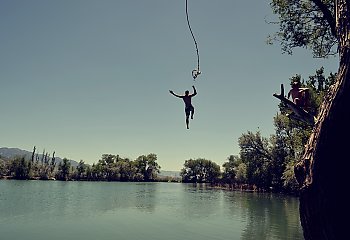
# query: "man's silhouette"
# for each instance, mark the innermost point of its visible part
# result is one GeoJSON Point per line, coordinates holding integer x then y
{"type": "Point", "coordinates": [189, 109]}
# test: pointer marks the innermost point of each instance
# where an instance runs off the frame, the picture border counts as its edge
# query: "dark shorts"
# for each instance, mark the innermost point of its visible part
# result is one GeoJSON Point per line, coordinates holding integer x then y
{"type": "Point", "coordinates": [188, 110]}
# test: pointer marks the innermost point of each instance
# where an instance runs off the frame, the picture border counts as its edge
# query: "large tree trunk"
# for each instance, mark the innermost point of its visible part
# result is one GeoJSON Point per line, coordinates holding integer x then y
{"type": "Point", "coordinates": [324, 172]}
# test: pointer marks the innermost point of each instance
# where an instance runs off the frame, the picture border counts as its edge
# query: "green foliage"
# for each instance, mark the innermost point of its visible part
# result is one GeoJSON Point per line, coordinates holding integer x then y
{"type": "Point", "coordinates": [3, 168]}
{"type": "Point", "coordinates": [230, 170]}
{"type": "Point", "coordinates": [200, 171]}
{"type": "Point", "coordinates": [307, 23]}
{"type": "Point", "coordinates": [127, 169]}
{"type": "Point", "coordinates": [241, 173]}
{"type": "Point", "coordinates": [255, 153]}
{"type": "Point", "coordinates": [147, 167]}
{"type": "Point", "coordinates": [114, 168]}
{"type": "Point", "coordinates": [19, 168]}
{"type": "Point", "coordinates": [289, 140]}
{"type": "Point", "coordinates": [63, 170]}
{"type": "Point", "coordinates": [80, 171]}
{"type": "Point", "coordinates": [269, 163]}
{"type": "Point", "coordinates": [290, 184]}
{"type": "Point", "coordinates": [109, 168]}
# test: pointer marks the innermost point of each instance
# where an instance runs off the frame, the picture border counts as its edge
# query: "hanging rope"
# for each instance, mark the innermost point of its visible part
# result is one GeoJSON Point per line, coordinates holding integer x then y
{"type": "Point", "coordinates": [195, 72]}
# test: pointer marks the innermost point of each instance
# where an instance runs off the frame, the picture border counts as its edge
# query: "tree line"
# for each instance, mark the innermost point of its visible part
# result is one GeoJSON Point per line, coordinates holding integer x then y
{"type": "Point", "coordinates": [109, 168]}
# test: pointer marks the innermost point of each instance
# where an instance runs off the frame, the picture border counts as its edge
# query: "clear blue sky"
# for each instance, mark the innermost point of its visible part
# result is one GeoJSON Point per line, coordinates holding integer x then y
{"type": "Point", "coordinates": [88, 77]}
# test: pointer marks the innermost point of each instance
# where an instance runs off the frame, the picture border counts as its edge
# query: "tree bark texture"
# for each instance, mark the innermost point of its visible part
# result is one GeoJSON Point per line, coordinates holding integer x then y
{"type": "Point", "coordinates": [324, 171]}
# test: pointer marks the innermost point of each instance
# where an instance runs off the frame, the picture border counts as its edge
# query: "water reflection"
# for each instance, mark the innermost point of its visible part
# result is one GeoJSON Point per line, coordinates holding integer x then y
{"type": "Point", "coordinates": [199, 201]}
{"type": "Point", "coordinates": [267, 216]}
{"type": "Point", "coordinates": [77, 199]}
{"type": "Point", "coordinates": [115, 210]}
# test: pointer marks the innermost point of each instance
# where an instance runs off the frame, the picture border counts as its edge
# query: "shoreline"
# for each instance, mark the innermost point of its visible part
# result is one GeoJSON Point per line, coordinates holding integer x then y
{"type": "Point", "coordinates": [222, 186]}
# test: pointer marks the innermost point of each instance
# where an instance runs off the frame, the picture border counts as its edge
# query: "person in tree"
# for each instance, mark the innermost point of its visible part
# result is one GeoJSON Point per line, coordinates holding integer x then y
{"type": "Point", "coordinates": [189, 109]}
{"type": "Point", "coordinates": [300, 96]}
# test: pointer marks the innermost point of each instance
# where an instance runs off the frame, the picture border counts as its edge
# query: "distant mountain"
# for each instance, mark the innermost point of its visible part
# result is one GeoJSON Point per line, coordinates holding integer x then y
{"type": "Point", "coordinates": [10, 153]}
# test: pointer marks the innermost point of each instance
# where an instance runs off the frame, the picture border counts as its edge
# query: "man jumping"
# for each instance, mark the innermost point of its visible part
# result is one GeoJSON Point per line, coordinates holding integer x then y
{"type": "Point", "coordinates": [189, 109]}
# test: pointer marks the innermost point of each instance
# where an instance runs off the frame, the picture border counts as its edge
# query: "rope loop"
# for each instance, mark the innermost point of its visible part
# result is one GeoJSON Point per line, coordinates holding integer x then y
{"type": "Point", "coordinates": [195, 73]}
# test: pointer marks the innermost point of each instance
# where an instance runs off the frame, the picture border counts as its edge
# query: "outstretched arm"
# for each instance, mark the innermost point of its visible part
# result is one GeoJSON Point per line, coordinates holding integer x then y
{"type": "Point", "coordinates": [171, 91]}
{"type": "Point", "coordinates": [194, 91]}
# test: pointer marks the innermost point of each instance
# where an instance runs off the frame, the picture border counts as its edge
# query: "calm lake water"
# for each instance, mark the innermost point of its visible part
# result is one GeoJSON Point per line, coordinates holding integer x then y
{"type": "Point", "coordinates": [53, 210]}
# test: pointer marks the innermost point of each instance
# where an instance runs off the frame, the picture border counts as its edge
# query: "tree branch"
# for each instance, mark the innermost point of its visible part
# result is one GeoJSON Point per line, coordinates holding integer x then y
{"type": "Point", "coordinates": [300, 113]}
{"type": "Point", "coordinates": [327, 14]}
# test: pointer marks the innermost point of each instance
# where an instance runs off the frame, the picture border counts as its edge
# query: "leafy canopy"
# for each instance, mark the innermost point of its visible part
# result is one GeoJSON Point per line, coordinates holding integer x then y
{"type": "Point", "coordinates": [305, 23]}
